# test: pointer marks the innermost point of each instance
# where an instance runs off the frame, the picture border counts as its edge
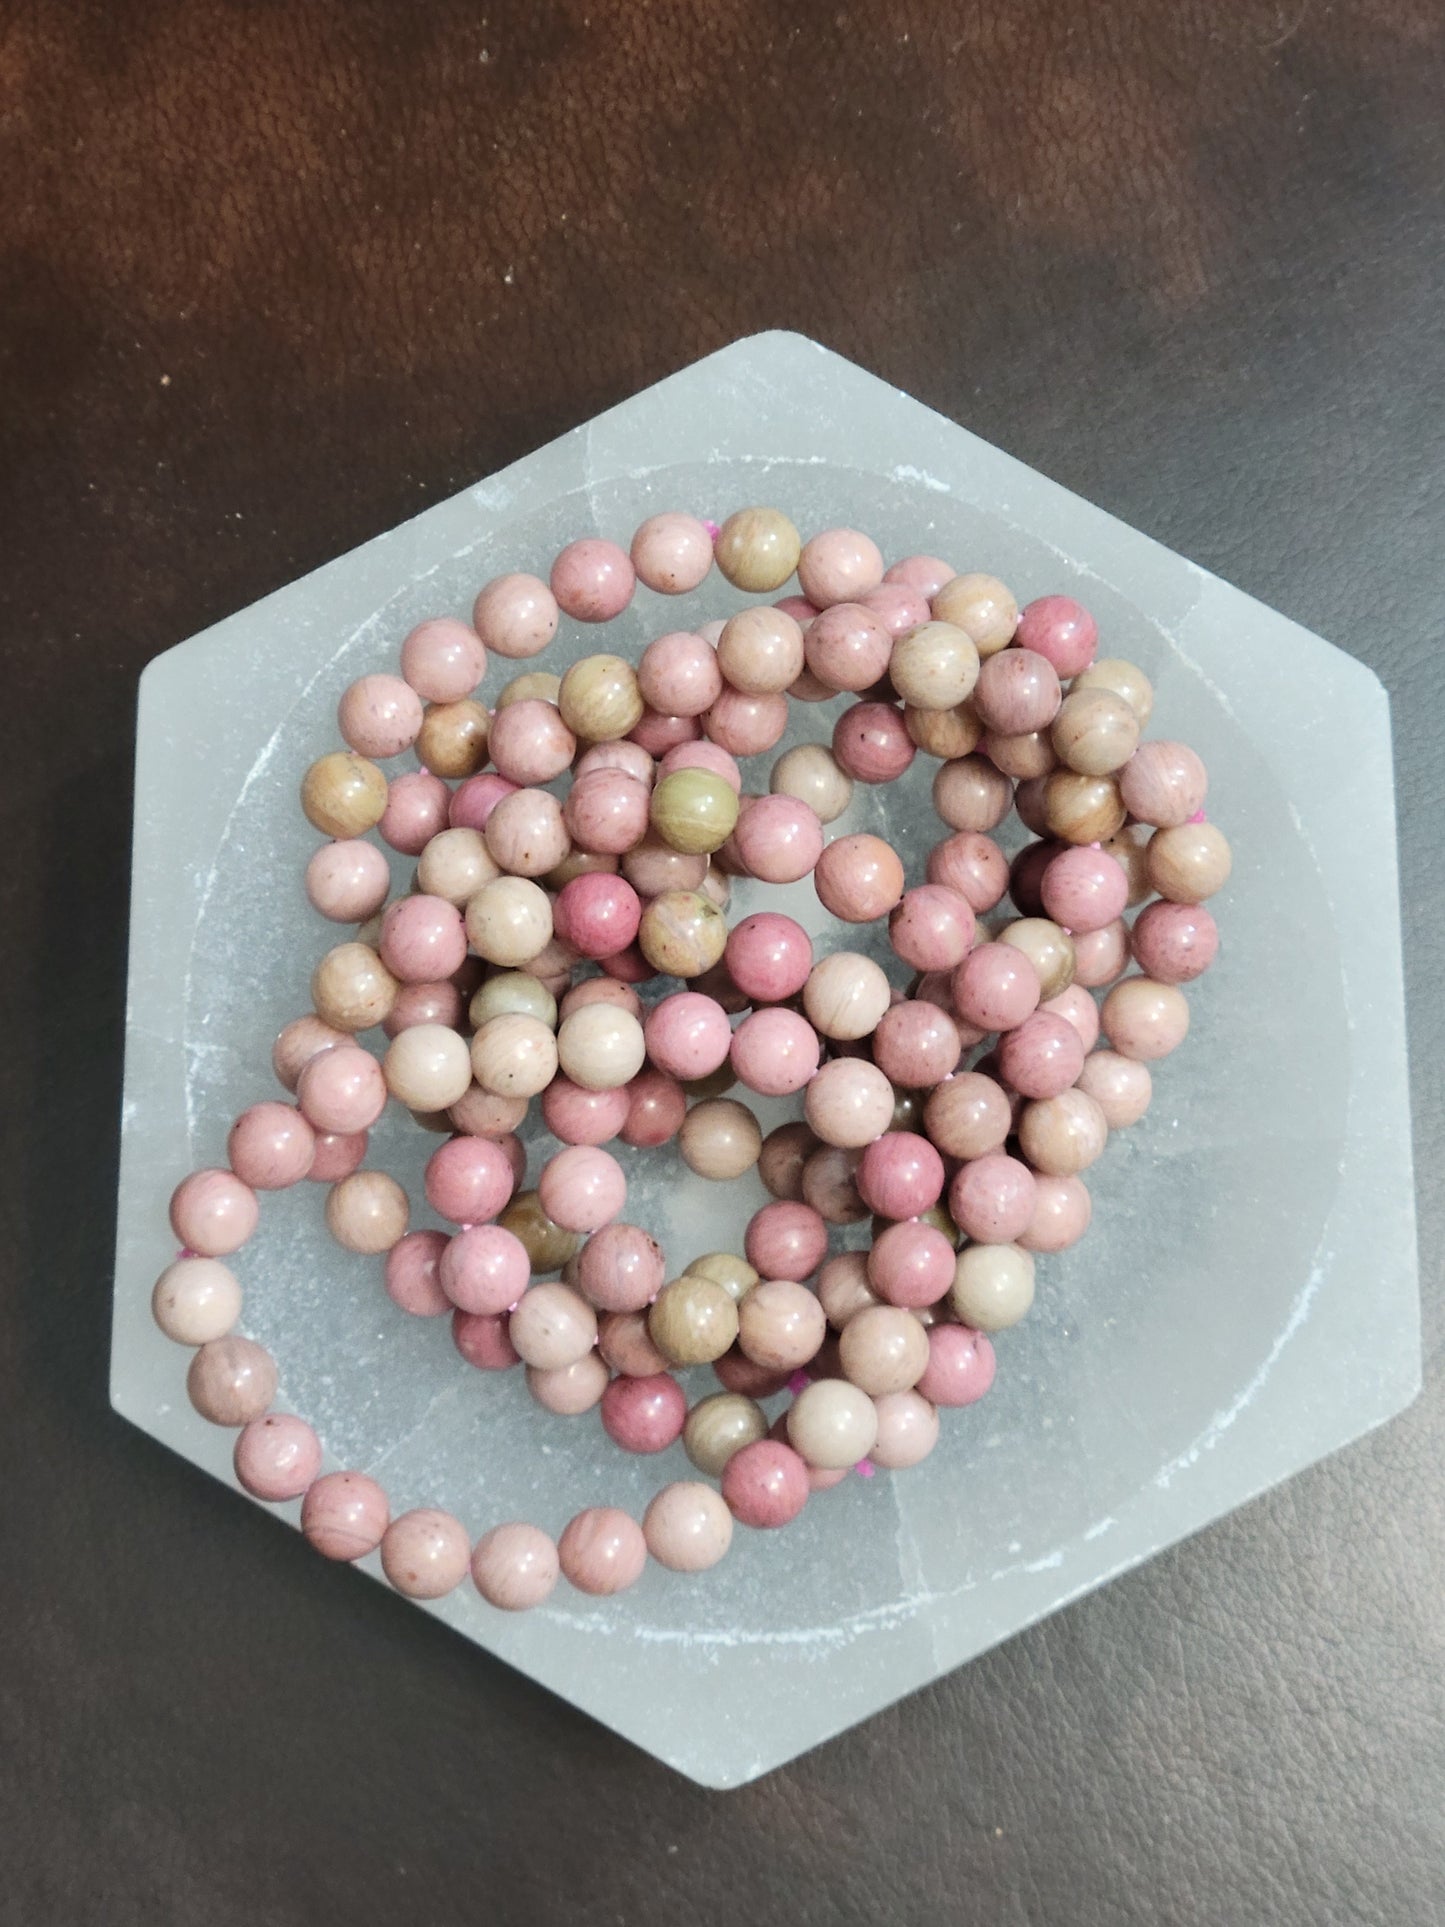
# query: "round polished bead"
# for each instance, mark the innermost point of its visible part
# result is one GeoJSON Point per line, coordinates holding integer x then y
{"type": "Point", "coordinates": [935, 667]}
{"type": "Point", "coordinates": [982, 607]}
{"type": "Point", "coordinates": [780, 1324]}
{"type": "Point", "coordinates": [760, 651]}
{"type": "Point", "coordinates": [688, 1527]}
{"type": "Point", "coordinates": [1018, 693]}
{"type": "Point", "coordinates": [900, 1175]}
{"type": "Point", "coordinates": [347, 881]}
{"type": "Point", "coordinates": [657, 1105]}
{"type": "Point", "coordinates": [883, 1349]}
{"type": "Point", "coordinates": [367, 1212]}
{"type": "Point", "coordinates": [593, 580]}
{"type": "Point", "coordinates": [416, 811]}
{"type": "Point", "coordinates": [509, 921]}
{"type": "Point", "coordinates": [298, 1042]}
{"type": "Point", "coordinates": [413, 1274]}
{"type": "Point", "coordinates": [849, 1103]}
{"type": "Point", "coordinates": [514, 1055]}
{"type": "Point", "coordinates": [837, 565]}
{"type": "Point", "coordinates": [972, 866]}
{"type": "Point", "coordinates": [846, 995]}
{"type": "Point", "coordinates": [769, 957]}
{"type": "Point", "coordinates": [1101, 955]}
{"type": "Point", "coordinates": [786, 1239]}
{"type": "Point", "coordinates": [1145, 1019]}
{"type": "Point", "coordinates": [693, 1320]}
{"type": "Point", "coordinates": [991, 1199]}
{"type": "Point", "coordinates": [961, 1366]}
{"type": "Point", "coordinates": [337, 1155]}
{"type": "Point", "coordinates": [774, 1052]}
{"type": "Point", "coordinates": [1120, 1086]}
{"type": "Point", "coordinates": [343, 794]}
{"type": "Point", "coordinates": [1048, 948]}
{"type": "Point", "coordinates": [425, 1553]}
{"type": "Point", "coordinates": [529, 742]}
{"type": "Point", "coordinates": [515, 615]}
{"type": "Point", "coordinates": [971, 794]}
{"type": "Point", "coordinates": [1042, 1056]}
{"type": "Point", "coordinates": [479, 1113]}
{"type": "Point", "coordinates": [270, 1146]}
{"type": "Point", "coordinates": [694, 811]}
{"type": "Point", "coordinates": [859, 878]}
{"type": "Point", "coordinates": [1163, 784]}
{"type": "Point", "coordinates": [1189, 863]}
{"type": "Point", "coordinates": [625, 1342]}
{"type": "Point", "coordinates": [847, 647]}
{"type": "Point", "coordinates": [832, 1424]}
{"type": "Point", "coordinates": [344, 1515]}
{"type": "Point", "coordinates": [719, 1426]}
{"type": "Point", "coordinates": [678, 674]}
{"type": "Point", "coordinates": [1062, 1135]}
{"type": "Point", "coordinates": [932, 928]}
{"type": "Point", "coordinates": [1173, 942]}
{"type": "Point", "coordinates": [1062, 1210]}
{"type": "Point", "coordinates": [277, 1457]}
{"type": "Point", "coordinates": [1079, 1011]}
{"type": "Point", "coordinates": [871, 743]}
{"type": "Point", "coordinates": [811, 773]}
{"type": "Point", "coordinates": [582, 1188]}
{"type": "Point", "coordinates": [602, 1551]}
{"type": "Point", "coordinates": [765, 1485]}
{"type": "Point", "coordinates": [443, 660]}
{"type": "Point", "coordinates": [996, 987]}
{"type": "Point", "coordinates": [231, 1380]}
{"type": "Point", "coordinates": [468, 1179]}
{"type": "Point", "coordinates": [993, 1286]}
{"type": "Point", "coordinates": [570, 1390]}
{"type": "Point", "coordinates": [1083, 889]}
{"type": "Point", "coordinates": [601, 1048]}
{"type": "Point", "coordinates": [1095, 732]}
{"type": "Point", "coordinates": [682, 934]}
{"type": "Point", "coordinates": [526, 833]}
{"type": "Point", "coordinates": [599, 700]}
{"type": "Point", "coordinates": [196, 1300]}
{"type": "Point", "coordinates": [945, 733]}
{"type": "Point", "coordinates": [452, 741]}
{"type": "Point", "coordinates": [687, 1035]}
{"type": "Point", "coordinates": [352, 988]}
{"type": "Point", "coordinates": [213, 1213]}
{"type": "Point", "coordinates": [1027, 758]}
{"type": "Point", "coordinates": [829, 1183]}
{"type": "Point", "coordinates": [757, 550]}
{"type": "Point", "coordinates": [785, 1152]}
{"type": "Point", "coordinates": [553, 1326]}
{"type": "Point", "coordinates": [916, 1045]}
{"type": "Point", "coordinates": [720, 1139]}
{"type": "Point", "coordinates": [1063, 630]}
{"type": "Point", "coordinates": [515, 1566]}
{"type": "Point", "coordinates": [968, 1116]}
{"type": "Point", "coordinates": [1082, 809]}
{"type": "Point", "coordinates": [907, 1430]}
{"type": "Point", "coordinates": [703, 754]}
{"type": "Point", "coordinates": [777, 839]}
{"type": "Point", "coordinates": [672, 553]}
{"type": "Point", "coordinates": [644, 1414]}
{"type": "Point", "coordinates": [620, 1268]}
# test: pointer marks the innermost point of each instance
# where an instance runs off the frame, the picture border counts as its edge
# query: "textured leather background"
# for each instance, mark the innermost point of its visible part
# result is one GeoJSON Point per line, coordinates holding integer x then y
{"type": "Point", "coordinates": [272, 275]}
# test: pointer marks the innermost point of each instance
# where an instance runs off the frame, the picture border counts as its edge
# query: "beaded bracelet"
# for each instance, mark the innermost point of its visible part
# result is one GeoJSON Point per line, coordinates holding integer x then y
{"type": "Point", "coordinates": [474, 978]}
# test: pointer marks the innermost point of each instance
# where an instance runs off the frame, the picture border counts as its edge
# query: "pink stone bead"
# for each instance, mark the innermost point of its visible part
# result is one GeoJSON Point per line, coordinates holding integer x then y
{"type": "Point", "coordinates": [479, 1113]}
{"type": "Point", "coordinates": [769, 957]}
{"type": "Point", "coordinates": [991, 1199]}
{"type": "Point", "coordinates": [516, 615]}
{"type": "Point", "coordinates": [347, 881]}
{"type": "Point", "coordinates": [838, 564]}
{"type": "Point", "coordinates": [961, 1366]}
{"type": "Point", "coordinates": [973, 866]}
{"type": "Point", "coordinates": [423, 939]}
{"type": "Point", "coordinates": [379, 716]}
{"type": "Point", "coordinates": [900, 1175]}
{"type": "Point", "coordinates": [426, 1553]}
{"type": "Point", "coordinates": [1163, 784]}
{"type": "Point", "coordinates": [526, 835]}
{"type": "Point", "coordinates": [417, 805]}
{"type": "Point", "coordinates": [847, 647]}
{"type": "Point", "coordinates": [413, 1283]}
{"type": "Point", "coordinates": [657, 1105]}
{"type": "Point", "coordinates": [932, 928]}
{"type": "Point", "coordinates": [644, 1414]}
{"type": "Point", "coordinates": [631, 758]}
{"type": "Point", "coordinates": [620, 1268]}
{"type": "Point", "coordinates": [778, 839]}
{"type": "Point", "coordinates": [907, 1430]}
{"type": "Point", "coordinates": [231, 1380]}
{"type": "Point", "coordinates": [1062, 1210]}
{"type": "Point", "coordinates": [298, 1042]}
{"type": "Point", "coordinates": [277, 1457]}
{"type": "Point", "coordinates": [213, 1213]}
{"type": "Point", "coordinates": [337, 1155]}
{"type": "Point", "coordinates": [688, 1035]}
{"type": "Point", "coordinates": [1063, 630]}
{"type": "Point", "coordinates": [672, 553]}
{"type": "Point", "coordinates": [871, 743]}
{"type": "Point", "coordinates": [593, 580]}
{"type": "Point", "coordinates": [915, 1046]}
{"type": "Point", "coordinates": [474, 800]}
{"type": "Point", "coordinates": [1042, 1056]}
{"type": "Point", "coordinates": [786, 1239]}
{"type": "Point", "coordinates": [602, 1551]}
{"type": "Point", "coordinates": [606, 811]}
{"type": "Point", "coordinates": [1173, 942]}
{"type": "Point", "coordinates": [597, 914]}
{"type": "Point", "coordinates": [483, 1270]}
{"type": "Point", "coordinates": [679, 674]}
{"type": "Point", "coordinates": [1017, 692]}
{"type": "Point", "coordinates": [775, 1052]}
{"type": "Point", "coordinates": [1101, 955]}
{"type": "Point", "coordinates": [996, 987]}
{"type": "Point", "coordinates": [344, 1515]}
{"type": "Point", "coordinates": [746, 725]}
{"type": "Point", "coordinates": [424, 1004]}
{"type": "Point", "coordinates": [443, 660]}
{"type": "Point", "coordinates": [911, 1264]}
{"type": "Point", "coordinates": [342, 1090]}
{"type": "Point", "coordinates": [529, 742]}
{"type": "Point", "coordinates": [898, 606]}
{"type": "Point", "coordinates": [468, 1179]}
{"type": "Point", "coordinates": [858, 878]}
{"type": "Point", "coordinates": [765, 1484]}
{"type": "Point", "coordinates": [1084, 889]}
{"type": "Point", "coordinates": [703, 755]}
{"type": "Point", "coordinates": [271, 1146]}
{"type": "Point", "coordinates": [515, 1567]}
{"type": "Point", "coordinates": [1078, 1009]}
{"type": "Point", "coordinates": [579, 1116]}
{"type": "Point", "coordinates": [658, 732]}
{"type": "Point", "coordinates": [483, 1340]}
{"type": "Point", "coordinates": [926, 573]}
{"type": "Point", "coordinates": [582, 1188]}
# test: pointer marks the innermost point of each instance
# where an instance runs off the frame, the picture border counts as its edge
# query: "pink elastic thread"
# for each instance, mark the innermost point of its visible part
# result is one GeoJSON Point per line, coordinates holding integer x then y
{"type": "Point", "coordinates": [712, 528]}
{"type": "Point", "coordinates": [799, 1382]}
{"type": "Point", "coordinates": [1199, 817]}
{"type": "Point", "coordinates": [865, 1468]}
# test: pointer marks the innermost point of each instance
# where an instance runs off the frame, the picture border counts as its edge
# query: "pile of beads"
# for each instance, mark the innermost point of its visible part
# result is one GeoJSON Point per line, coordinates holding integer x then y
{"type": "Point", "coordinates": [480, 979]}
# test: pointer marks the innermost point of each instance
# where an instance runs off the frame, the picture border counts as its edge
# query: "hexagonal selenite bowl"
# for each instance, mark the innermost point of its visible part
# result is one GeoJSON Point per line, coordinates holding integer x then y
{"type": "Point", "coordinates": [1245, 1302]}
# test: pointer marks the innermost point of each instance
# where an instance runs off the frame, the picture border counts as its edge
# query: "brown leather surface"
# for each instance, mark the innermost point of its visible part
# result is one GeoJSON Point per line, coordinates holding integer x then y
{"type": "Point", "coordinates": [274, 275]}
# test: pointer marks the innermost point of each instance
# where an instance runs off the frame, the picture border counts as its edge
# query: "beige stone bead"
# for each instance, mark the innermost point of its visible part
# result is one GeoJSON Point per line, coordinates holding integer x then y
{"type": "Point", "coordinates": [682, 934]}
{"type": "Point", "coordinates": [983, 607]}
{"type": "Point", "coordinates": [570, 1390]}
{"type": "Point", "coordinates": [1187, 864]}
{"type": "Point", "coordinates": [298, 1042]}
{"type": "Point", "coordinates": [625, 1342]}
{"type": "Point", "coordinates": [514, 1055]}
{"type": "Point", "coordinates": [552, 1327]}
{"type": "Point", "coordinates": [1082, 809]}
{"type": "Point", "coordinates": [1095, 732]}
{"type": "Point", "coordinates": [781, 1325]}
{"type": "Point", "coordinates": [843, 1287]}
{"type": "Point", "coordinates": [1129, 848]}
{"type": "Point", "coordinates": [509, 921]}
{"type": "Point", "coordinates": [1025, 758]}
{"type": "Point", "coordinates": [846, 995]}
{"type": "Point", "coordinates": [967, 1115]}
{"type": "Point", "coordinates": [720, 1139]}
{"type": "Point", "coordinates": [367, 1212]}
{"type": "Point", "coordinates": [428, 1067]}
{"type": "Point", "coordinates": [513, 993]}
{"type": "Point", "coordinates": [532, 686]}
{"type": "Point", "coordinates": [849, 1103]}
{"type": "Point", "coordinates": [581, 863]}
{"type": "Point", "coordinates": [1120, 1086]}
{"type": "Point", "coordinates": [479, 1113]}
{"type": "Point", "coordinates": [600, 700]}
{"type": "Point", "coordinates": [719, 1426]}
{"type": "Point", "coordinates": [343, 794]}
{"type": "Point", "coordinates": [653, 867]}
{"type": "Point", "coordinates": [231, 1380]}
{"type": "Point", "coordinates": [1048, 948]}
{"type": "Point", "coordinates": [811, 773]}
{"type": "Point", "coordinates": [196, 1300]}
{"type": "Point", "coordinates": [454, 865]}
{"type": "Point", "coordinates": [1124, 679]}
{"type": "Point", "coordinates": [452, 741]}
{"type": "Point", "coordinates": [907, 1431]}
{"type": "Point", "coordinates": [526, 834]}
{"type": "Point", "coordinates": [934, 667]}
{"type": "Point", "coordinates": [1062, 1135]}
{"type": "Point", "coordinates": [687, 1526]}
{"type": "Point", "coordinates": [993, 1286]}
{"type": "Point", "coordinates": [760, 651]}
{"type": "Point", "coordinates": [601, 1047]}
{"type": "Point", "coordinates": [736, 1276]}
{"type": "Point", "coordinates": [548, 1246]}
{"type": "Point", "coordinates": [352, 988]}
{"type": "Point", "coordinates": [1163, 784]}
{"type": "Point", "coordinates": [757, 550]}
{"type": "Point", "coordinates": [945, 733]}
{"type": "Point", "coordinates": [1144, 1019]}
{"type": "Point", "coordinates": [832, 1424]}
{"type": "Point", "coordinates": [970, 794]}
{"type": "Point", "coordinates": [692, 1321]}
{"type": "Point", "coordinates": [883, 1349]}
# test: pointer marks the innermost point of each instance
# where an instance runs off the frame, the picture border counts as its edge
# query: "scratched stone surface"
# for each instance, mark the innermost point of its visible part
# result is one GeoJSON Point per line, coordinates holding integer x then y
{"type": "Point", "coordinates": [1200, 1345]}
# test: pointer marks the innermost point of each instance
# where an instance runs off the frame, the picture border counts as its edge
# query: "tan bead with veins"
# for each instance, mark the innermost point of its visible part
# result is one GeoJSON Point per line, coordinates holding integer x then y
{"type": "Point", "coordinates": [781, 1325]}
{"type": "Point", "coordinates": [983, 607]}
{"type": "Point", "coordinates": [883, 1349]}
{"type": "Point", "coordinates": [367, 1212]}
{"type": "Point", "coordinates": [1082, 809]}
{"type": "Point", "coordinates": [692, 1321]}
{"type": "Point", "coordinates": [811, 773]}
{"type": "Point", "coordinates": [452, 741]}
{"type": "Point", "coordinates": [1189, 863]}
{"type": "Point", "coordinates": [719, 1426]}
{"type": "Point", "coordinates": [945, 733]}
{"type": "Point", "coordinates": [757, 550]}
{"type": "Point", "coordinates": [343, 794]}
{"type": "Point", "coordinates": [599, 699]}
{"type": "Point", "coordinates": [1125, 679]}
{"type": "Point", "coordinates": [1095, 732]}
{"type": "Point", "coordinates": [934, 667]}
{"type": "Point", "coordinates": [720, 1139]}
{"type": "Point", "coordinates": [1062, 1135]}
{"type": "Point", "coordinates": [1048, 948]}
{"type": "Point", "coordinates": [352, 988]}
{"type": "Point", "coordinates": [846, 995]}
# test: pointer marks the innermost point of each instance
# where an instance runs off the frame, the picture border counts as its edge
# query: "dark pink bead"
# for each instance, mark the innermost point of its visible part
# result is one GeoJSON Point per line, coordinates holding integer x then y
{"type": "Point", "coordinates": [1083, 889]}
{"type": "Point", "coordinates": [579, 1116]}
{"type": "Point", "coordinates": [900, 1175]}
{"type": "Point", "coordinates": [960, 1368]}
{"type": "Point", "coordinates": [786, 1239]}
{"type": "Point", "coordinates": [871, 743]}
{"type": "Point", "coordinates": [469, 1179]}
{"type": "Point", "coordinates": [423, 939]}
{"type": "Point", "coordinates": [765, 1484]}
{"type": "Point", "coordinates": [1063, 630]}
{"type": "Point", "coordinates": [484, 1269]}
{"type": "Point", "coordinates": [775, 1052]}
{"type": "Point", "coordinates": [413, 1281]}
{"type": "Point", "coordinates": [1175, 942]}
{"type": "Point", "coordinates": [769, 957]}
{"type": "Point", "coordinates": [597, 914]}
{"type": "Point", "coordinates": [1042, 1056]}
{"type": "Point", "coordinates": [657, 1104]}
{"type": "Point", "coordinates": [971, 864]}
{"type": "Point", "coordinates": [417, 809]}
{"type": "Point", "coordinates": [644, 1414]}
{"type": "Point", "coordinates": [995, 987]}
{"type": "Point", "coordinates": [483, 1340]}
{"type": "Point", "coordinates": [628, 966]}
{"type": "Point", "coordinates": [474, 800]}
{"type": "Point", "coordinates": [932, 928]}
{"type": "Point", "coordinates": [991, 1199]}
{"type": "Point", "coordinates": [911, 1264]}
